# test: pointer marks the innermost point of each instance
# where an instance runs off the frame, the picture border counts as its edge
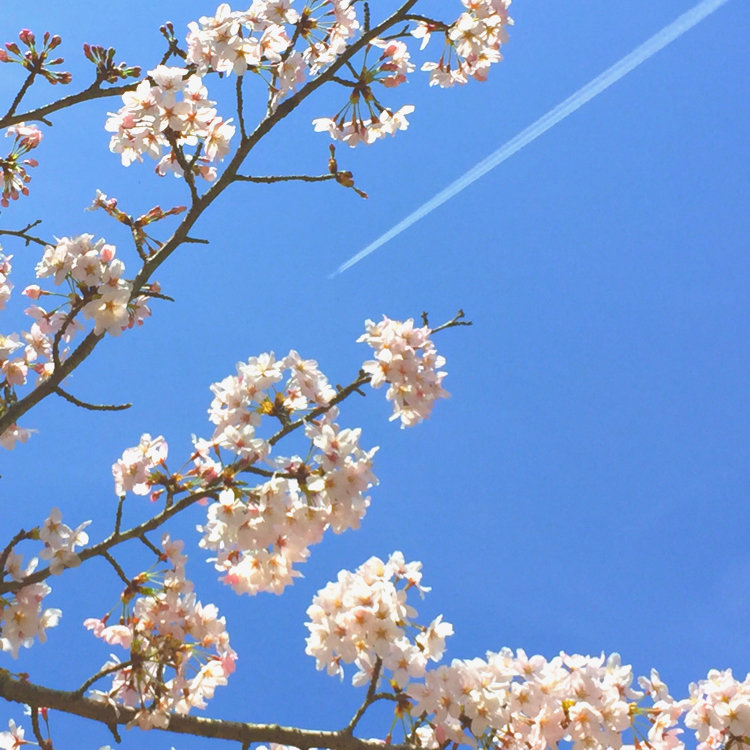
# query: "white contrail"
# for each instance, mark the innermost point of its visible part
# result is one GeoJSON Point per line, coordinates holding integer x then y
{"type": "Point", "coordinates": [613, 74]}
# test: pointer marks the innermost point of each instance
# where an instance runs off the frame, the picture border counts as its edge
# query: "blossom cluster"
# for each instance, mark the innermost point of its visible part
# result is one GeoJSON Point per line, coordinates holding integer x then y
{"type": "Point", "coordinates": [507, 699]}
{"type": "Point", "coordinates": [259, 533]}
{"type": "Point", "coordinates": [363, 618]}
{"type": "Point", "coordinates": [165, 114]}
{"type": "Point", "coordinates": [407, 360]}
{"type": "Point", "coordinates": [22, 617]}
{"type": "Point", "coordinates": [519, 702]}
{"type": "Point", "coordinates": [133, 470]}
{"type": "Point", "coordinates": [363, 119]}
{"type": "Point", "coordinates": [60, 542]}
{"type": "Point", "coordinates": [179, 648]}
{"type": "Point", "coordinates": [13, 167]}
{"type": "Point", "coordinates": [472, 42]}
{"type": "Point", "coordinates": [97, 290]}
{"type": "Point", "coordinates": [719, 710]}
{"type": "Point", "coordinates": [254, 40]}
{"type": "Point", "coordinates": [257, 39]}
{"type": "Point", "coordinates": [284, 46]}
{"type": "Point", "coordinates": [103, 294]}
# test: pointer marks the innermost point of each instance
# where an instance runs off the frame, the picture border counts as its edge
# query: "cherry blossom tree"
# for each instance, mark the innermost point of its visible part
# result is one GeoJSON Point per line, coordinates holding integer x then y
{"type": "Point", "coordinates": [266, 506]}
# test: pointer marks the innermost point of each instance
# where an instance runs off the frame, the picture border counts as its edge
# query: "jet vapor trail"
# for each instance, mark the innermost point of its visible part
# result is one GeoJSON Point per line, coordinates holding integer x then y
{"type": "Point", "coordinates": [650, 47]}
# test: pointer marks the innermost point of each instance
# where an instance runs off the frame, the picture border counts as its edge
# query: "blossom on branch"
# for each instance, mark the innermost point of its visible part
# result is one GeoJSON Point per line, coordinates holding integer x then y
{"type": "Point", "coordinates": [179, 648]}
{"type": "Point", "coordinates": [407, 360]}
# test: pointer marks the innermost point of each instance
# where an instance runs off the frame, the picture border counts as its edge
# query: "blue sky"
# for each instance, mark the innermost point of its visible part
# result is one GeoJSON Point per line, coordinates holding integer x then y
{"type": "Point", "coordinates": [585, 487]}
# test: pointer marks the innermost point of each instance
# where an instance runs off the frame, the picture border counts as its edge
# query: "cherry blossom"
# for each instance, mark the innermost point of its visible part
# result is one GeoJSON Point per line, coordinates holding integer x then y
{"type": "Point", "coordinates": [407, 360]}
{"type": "Point", "coordinates": [154, 120]}
{"type": "Point", "coordinates": [133, 471]}
{"type": "Point", "coordinates": [22, 618]}
{"type": "Point", "coordinates": [179, 648]}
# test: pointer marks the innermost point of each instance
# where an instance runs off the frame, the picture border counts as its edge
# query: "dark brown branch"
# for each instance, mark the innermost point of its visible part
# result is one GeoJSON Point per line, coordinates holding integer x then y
{"type": "Point", "coordinates": [35, 728]}
{"type": "Point", "coordinates": [91, 407]}
{"type": "Point", "coordinates": [240, 106]}
{"type": "Point", "coordinates": [101, 673]}
{"type": "Point", "coordinates": [120, 572]}
{"type": "Point", "coordinates": [92, 92]}
{"type": "Point", "coordinates": [22, 691]}
{"type": "Point", "coordinates": [23, 234]}
{"type": "Point", "coordinates": [285, 178]}
{"type": "Point", "coordinates": [369, 698]}
{"type": "Point", "coordinates": [21, 93]}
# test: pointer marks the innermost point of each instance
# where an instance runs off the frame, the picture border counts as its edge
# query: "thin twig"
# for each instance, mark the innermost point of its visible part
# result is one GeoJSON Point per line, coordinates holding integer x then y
{"type": "Point", "coordinates": [91, 407]}
{"type": "Point", "coordinates": [118, 513]}
{"type": "Point", "coordinates": [240, 106]}
{"type": "Point", "coordinates": [101, 673]}
{"type": "Point", "coordinates": [145, 540]}
{"type": "Point", "coordinates": [19, 537]}
{"type": "Point", "coordinates": [22, 233]}
{"type": "Point", "coordinates": [349, 729]}
{"type": "Point", "coordinates": [116, 538]}
{"type": "Point", "coordinates": [284, 178]}
{"type": "Point", "coordinates": [35, 725]}
{"type": "Point", "coordinates": [457, 320]}
{"type": "Point", "coordinates": [22, 91]}
{"type": "Point", "coordinates": [120, 572]}
{"type": "Point", "coordinates": [92, 92]}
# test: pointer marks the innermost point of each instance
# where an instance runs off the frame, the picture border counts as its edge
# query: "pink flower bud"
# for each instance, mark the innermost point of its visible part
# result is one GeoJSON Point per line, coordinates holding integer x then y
{"type": "Point", "coordinates": [27, 37]}
{"type": "Point", "coordinates": [107, 253]}
{"type": "Point", "coordinates": [34, 291]}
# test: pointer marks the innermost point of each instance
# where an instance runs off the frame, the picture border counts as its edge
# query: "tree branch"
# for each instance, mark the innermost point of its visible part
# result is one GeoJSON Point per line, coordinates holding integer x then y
{"type": "Point", "coordinates": [92, 92]}
{"type": "Point", "coordinates": [23, 234]}
{"type": "Point", "coordinates": [285, 178]}
{"type": "Point", "coordinates": [23, 691]}
{"type": "Point", "coordinates": [115, 538]}
{"type": "Point", "coordinates": [91, 407]}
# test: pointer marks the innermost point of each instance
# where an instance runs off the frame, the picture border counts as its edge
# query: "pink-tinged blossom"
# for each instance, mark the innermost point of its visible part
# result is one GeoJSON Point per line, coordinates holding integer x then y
{"type": "Point", "coordinates": [364, 616]}
{"type": "Point", "coordinates": [169, 110]}
{"type": "Point", "coordinates": [13, 738]}
{"type": "Point", "coordinates": [13, 167]}
{"type": "Point", "coordinates": [132, 472]}
{"type": "Point", "coordinates": [259, 534]}
{"type": "Point", "coordinates": [14, 434]}
{"type": "Point", "coordinates": [179, 648]}
{"type": "Point", "coordinates": [719, 710]}
{"type": "Point", "coordinates": [472, 42]}
{"type": "Point", "coordinates": [22, 618]}
{"type": "Point", "coordinates": [60, 542]}
{"type": "Point", "coordinates": [6, 285]}
{"type": "Point", "coordinates": [405, 359]}
{"type": "Point", "coordinates": [109, 309]}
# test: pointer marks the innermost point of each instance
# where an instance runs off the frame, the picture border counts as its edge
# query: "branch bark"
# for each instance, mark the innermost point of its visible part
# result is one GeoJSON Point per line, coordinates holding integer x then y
{"type": "Point", "coordinates": [23, 691]}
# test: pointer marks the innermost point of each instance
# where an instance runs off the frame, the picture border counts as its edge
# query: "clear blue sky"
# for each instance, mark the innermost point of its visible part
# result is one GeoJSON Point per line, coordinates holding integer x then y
{"type": "Point", "coordinates": [584, 489]}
